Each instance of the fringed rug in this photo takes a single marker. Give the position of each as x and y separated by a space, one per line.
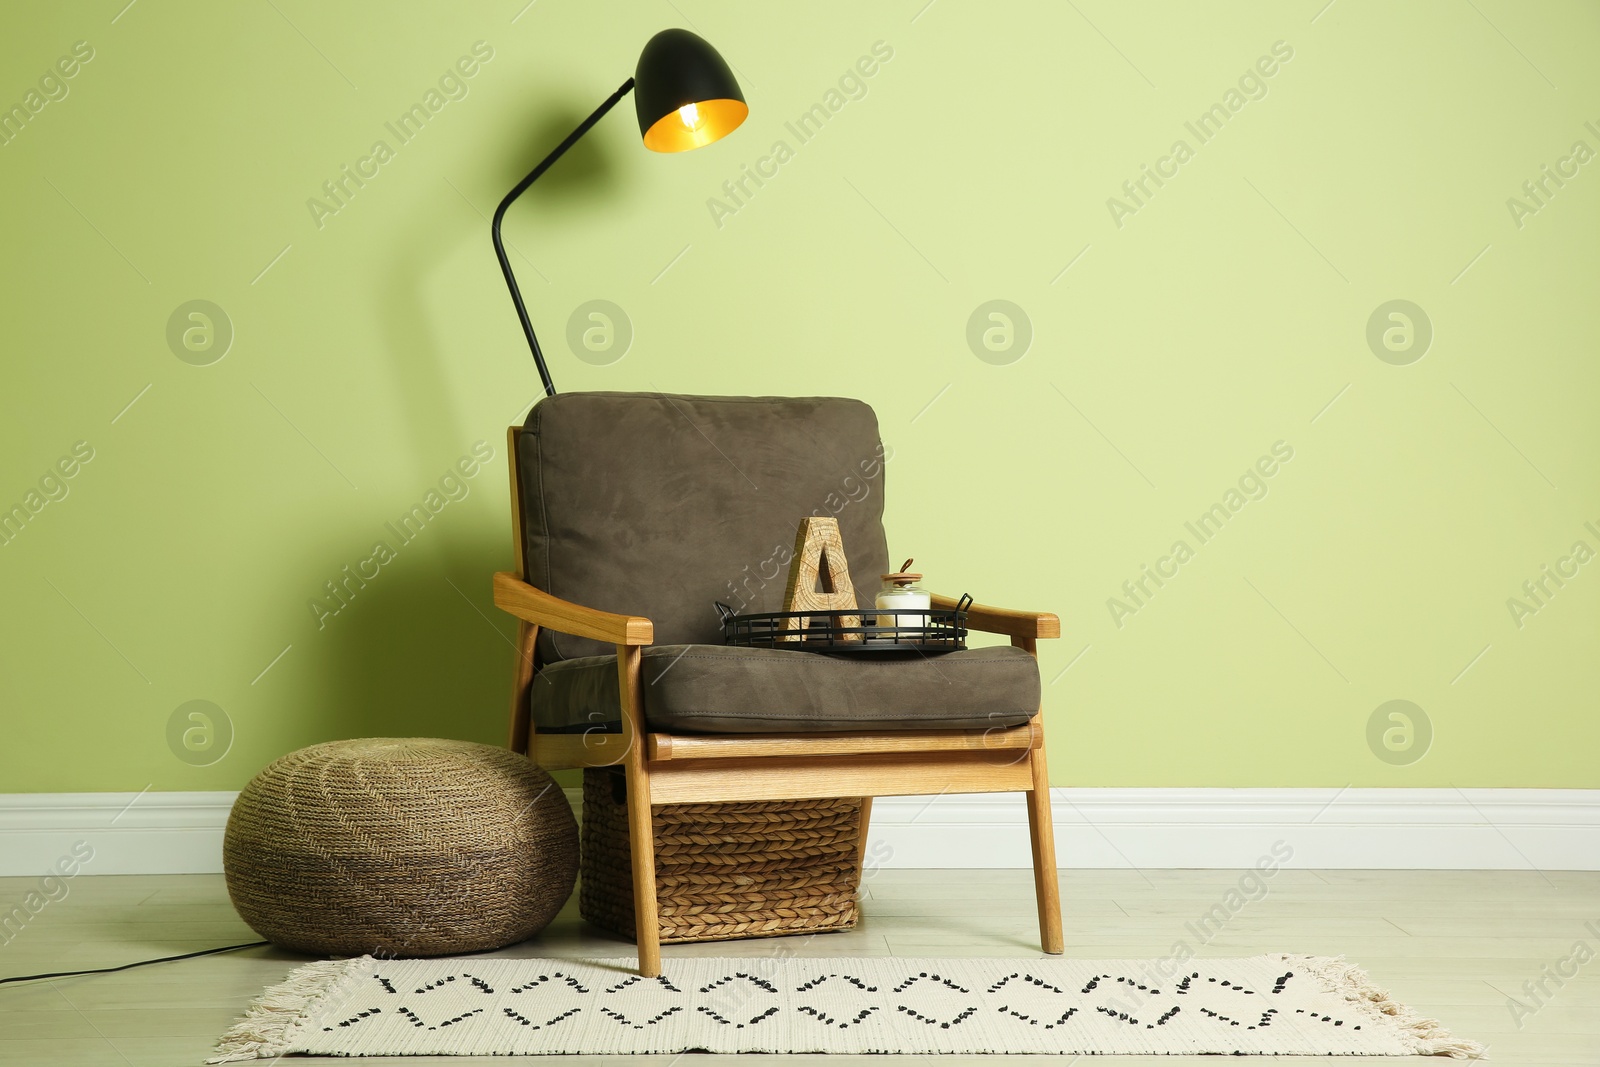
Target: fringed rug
1264 1005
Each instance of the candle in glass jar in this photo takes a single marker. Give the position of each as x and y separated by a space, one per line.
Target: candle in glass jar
900 590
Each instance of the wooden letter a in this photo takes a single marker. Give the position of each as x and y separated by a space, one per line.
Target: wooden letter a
819 549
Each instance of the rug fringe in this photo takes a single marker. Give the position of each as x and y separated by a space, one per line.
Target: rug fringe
1423 1036
263 1030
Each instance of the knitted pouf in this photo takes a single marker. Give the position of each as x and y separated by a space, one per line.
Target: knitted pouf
400 847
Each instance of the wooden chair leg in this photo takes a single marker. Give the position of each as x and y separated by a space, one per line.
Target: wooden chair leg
522 681
1041 830
641 836
861 843
641 828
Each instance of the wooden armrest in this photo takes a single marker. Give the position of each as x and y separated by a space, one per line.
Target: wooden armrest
1035 624
517 597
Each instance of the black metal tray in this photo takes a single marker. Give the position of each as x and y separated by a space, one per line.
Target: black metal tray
937 630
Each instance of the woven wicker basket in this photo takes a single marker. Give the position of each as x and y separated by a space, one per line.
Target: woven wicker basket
723 871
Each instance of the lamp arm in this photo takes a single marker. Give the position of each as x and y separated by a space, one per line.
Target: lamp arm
518 190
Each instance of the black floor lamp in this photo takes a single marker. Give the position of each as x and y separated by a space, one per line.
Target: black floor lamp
686 97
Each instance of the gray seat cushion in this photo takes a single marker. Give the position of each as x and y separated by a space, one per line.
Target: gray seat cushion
723 689
658 505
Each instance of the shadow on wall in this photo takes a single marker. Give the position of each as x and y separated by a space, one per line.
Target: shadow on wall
585 173
421 651
421 352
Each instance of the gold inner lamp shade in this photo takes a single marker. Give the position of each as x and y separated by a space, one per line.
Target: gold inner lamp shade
695 125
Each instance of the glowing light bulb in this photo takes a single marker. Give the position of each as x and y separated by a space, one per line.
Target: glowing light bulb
690 116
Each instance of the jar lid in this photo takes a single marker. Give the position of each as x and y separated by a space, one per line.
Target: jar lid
903 576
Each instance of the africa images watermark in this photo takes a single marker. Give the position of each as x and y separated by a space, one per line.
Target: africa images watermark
1538 191
199 732
852 85
1252 485
999 332
1252 85
199 332
454 485
743 590
1399 732
725 1003
341 189
54 485
1538 591
53 88
50 889
1538 991
599 332
1399 332
1251 887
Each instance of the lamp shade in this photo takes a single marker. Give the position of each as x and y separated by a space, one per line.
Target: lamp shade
685 94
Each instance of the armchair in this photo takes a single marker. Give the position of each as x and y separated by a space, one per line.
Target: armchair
631 514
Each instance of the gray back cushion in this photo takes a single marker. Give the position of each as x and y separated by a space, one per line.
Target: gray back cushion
658 505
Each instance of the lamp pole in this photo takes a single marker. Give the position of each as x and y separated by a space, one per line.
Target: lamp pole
518 190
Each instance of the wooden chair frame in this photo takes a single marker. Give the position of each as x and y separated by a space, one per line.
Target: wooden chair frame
664 768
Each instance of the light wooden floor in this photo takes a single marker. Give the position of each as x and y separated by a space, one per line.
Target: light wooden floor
1452 944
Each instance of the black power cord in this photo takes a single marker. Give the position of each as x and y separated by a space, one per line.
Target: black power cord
126 966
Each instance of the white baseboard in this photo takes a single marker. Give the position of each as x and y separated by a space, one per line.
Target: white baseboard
1430 829
131 833
1355 829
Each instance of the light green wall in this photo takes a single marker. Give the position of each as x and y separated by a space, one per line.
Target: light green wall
1222 316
